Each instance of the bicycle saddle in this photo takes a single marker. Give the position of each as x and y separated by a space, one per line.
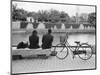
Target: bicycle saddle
77 42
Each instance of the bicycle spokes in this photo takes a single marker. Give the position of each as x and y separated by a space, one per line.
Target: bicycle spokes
62 52
85 51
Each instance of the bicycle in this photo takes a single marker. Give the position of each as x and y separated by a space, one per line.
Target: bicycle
83 50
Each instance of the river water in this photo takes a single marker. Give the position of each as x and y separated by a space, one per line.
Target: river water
89 38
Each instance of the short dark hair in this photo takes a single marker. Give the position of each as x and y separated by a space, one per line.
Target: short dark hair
34 32
49 31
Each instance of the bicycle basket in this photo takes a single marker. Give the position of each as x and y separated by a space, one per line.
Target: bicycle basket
62 39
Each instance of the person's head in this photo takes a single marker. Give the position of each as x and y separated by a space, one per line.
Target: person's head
49 31
34 32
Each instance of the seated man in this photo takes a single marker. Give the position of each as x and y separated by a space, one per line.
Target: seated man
34 40
47 40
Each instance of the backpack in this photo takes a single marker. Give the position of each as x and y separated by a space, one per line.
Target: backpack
22 45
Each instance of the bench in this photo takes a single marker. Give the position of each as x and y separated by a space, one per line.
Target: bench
19 53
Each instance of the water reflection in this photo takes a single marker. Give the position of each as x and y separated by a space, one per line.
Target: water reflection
83 38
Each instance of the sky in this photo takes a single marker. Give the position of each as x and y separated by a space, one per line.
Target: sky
70 9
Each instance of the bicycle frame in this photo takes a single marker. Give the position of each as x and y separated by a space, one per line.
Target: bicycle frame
66 44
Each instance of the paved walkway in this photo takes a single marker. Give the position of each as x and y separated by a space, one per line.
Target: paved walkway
51 64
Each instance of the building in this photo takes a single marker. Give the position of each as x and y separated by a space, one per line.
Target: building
30 19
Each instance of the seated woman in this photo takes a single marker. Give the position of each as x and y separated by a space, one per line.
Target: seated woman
34 40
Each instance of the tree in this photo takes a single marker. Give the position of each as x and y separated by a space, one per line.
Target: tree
14 8
18 14
92 18
83 18
42 15
73 19
54 16
64 17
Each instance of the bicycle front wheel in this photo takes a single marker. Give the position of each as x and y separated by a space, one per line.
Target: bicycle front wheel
85 51
61 50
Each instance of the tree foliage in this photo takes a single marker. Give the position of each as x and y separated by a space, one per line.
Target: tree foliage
51 15
92 18
18 14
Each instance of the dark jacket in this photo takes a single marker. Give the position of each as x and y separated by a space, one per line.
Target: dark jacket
34 41
47 41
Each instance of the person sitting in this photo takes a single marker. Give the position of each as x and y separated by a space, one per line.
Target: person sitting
34 40
47 40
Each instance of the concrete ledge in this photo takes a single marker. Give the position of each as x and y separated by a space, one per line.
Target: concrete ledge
31 52
15 57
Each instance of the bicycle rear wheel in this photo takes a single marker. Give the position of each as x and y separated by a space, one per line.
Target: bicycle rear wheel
61 50
85 51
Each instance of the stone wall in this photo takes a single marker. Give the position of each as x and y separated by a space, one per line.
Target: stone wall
29 25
